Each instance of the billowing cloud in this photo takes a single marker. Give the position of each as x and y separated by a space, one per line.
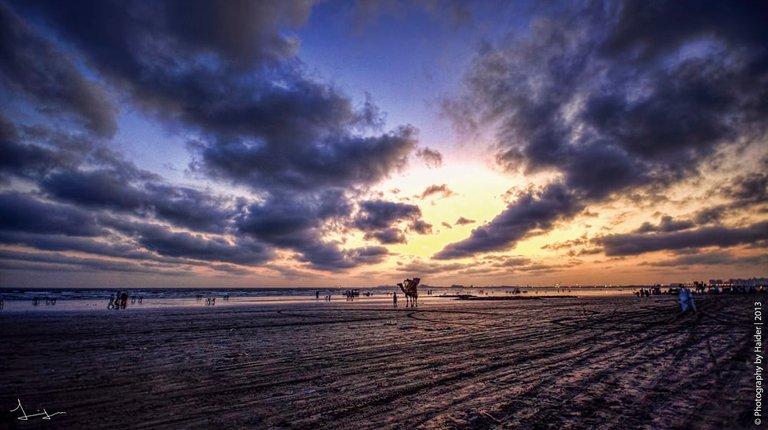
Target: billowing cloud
329 257
228 76
25 160
713 258
388 236
639 243
118 191
609 103
667 224
36 68
748 190
94 264
166 242
531 213
262 121
20 212
380 220
333 161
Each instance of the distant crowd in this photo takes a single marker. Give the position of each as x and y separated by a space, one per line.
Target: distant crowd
699 288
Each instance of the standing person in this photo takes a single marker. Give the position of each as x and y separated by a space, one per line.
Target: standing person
394 299
686 299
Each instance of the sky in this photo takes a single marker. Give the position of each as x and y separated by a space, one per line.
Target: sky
334 143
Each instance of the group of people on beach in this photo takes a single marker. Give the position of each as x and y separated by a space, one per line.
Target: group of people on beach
684 296
210 301
48 301
118 302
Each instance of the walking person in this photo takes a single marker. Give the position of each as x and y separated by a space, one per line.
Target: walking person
686 299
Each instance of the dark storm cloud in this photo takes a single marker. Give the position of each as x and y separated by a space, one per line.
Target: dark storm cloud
611 103
380 214
89 245
710 215
84 172
532 212
748 190
714 258
150 244
265 125
92 179
195 246
100 188
379 218
36 68
226 75
677 22
28 161
121 191
128 36
83 263
191 208
179 244
289 221
388 236
20 158
116 185
340 160
329 257
20 212
666 225
298 223
742 192
638 243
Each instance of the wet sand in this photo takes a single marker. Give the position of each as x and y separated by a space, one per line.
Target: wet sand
602 362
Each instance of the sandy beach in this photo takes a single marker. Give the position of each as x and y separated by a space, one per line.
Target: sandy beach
594 362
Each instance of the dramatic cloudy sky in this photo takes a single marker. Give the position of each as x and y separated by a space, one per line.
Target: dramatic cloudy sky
241 143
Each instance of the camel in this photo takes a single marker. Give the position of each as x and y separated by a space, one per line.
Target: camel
409 287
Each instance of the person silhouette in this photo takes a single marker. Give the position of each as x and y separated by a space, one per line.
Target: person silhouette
686 299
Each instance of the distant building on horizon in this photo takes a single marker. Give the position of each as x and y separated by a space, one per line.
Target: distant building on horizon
750 282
